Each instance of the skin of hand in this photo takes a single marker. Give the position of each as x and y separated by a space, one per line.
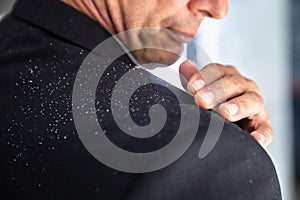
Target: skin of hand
235 97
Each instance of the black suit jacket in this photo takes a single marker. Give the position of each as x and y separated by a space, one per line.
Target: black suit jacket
42 45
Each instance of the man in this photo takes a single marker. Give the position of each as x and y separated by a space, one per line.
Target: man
184 18
43 43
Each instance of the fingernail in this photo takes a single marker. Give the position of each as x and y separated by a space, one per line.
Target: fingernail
207 97
232 108
197 85
259 137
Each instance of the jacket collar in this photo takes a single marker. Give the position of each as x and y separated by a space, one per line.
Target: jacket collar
61 20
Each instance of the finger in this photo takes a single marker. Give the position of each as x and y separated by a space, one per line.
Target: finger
263 134
228 87
186 70
206 76
205 98
209 74
213 72
244 106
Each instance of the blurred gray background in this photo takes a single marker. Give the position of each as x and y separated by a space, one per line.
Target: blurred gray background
5 5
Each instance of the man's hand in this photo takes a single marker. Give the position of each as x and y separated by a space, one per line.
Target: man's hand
235 97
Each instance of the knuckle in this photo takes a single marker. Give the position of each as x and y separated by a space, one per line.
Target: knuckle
220 69
257 98
232 69
252 85
244 107
195 76
237 81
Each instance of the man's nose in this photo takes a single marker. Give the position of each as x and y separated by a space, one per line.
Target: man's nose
217 9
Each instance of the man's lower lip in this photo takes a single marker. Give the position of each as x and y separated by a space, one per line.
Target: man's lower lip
181 37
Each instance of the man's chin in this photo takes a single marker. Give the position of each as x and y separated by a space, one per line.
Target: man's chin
160 58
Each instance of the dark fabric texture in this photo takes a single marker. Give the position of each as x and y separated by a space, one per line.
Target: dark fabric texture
42 45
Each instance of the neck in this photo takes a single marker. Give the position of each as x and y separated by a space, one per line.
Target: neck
106 12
